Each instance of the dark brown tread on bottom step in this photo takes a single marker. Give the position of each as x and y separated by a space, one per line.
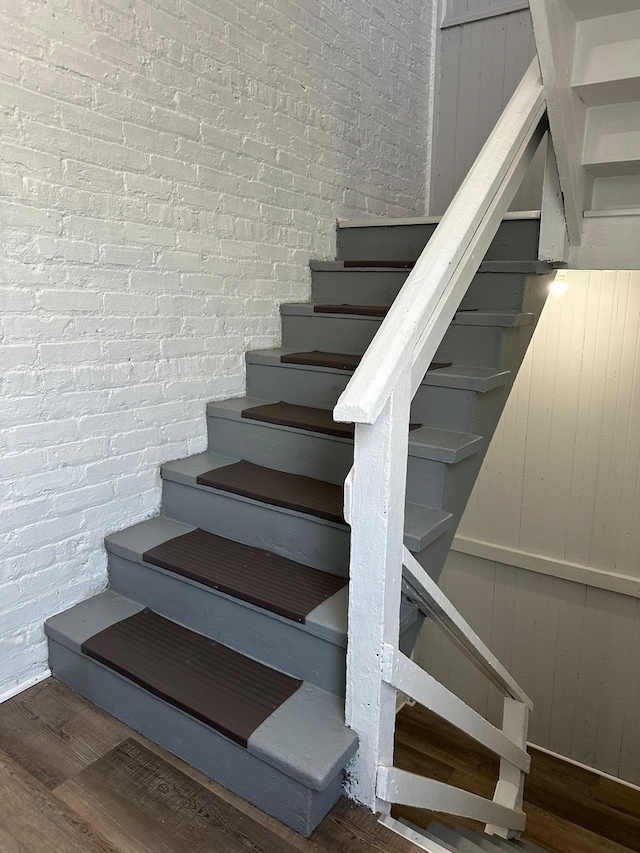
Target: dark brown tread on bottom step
338 360
302 417
293 491
218 686
390 264
251 574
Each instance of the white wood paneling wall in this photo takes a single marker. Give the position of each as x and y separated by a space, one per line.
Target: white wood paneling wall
481 64
573 648
562 476
562 481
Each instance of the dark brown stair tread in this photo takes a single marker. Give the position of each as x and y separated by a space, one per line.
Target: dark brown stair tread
220 687
390 264
302 417
251 574
292 491
362 310
337 360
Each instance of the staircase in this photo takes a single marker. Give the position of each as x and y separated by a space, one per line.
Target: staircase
222 633
590 60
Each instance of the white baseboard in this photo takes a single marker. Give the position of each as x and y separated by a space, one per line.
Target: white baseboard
25 685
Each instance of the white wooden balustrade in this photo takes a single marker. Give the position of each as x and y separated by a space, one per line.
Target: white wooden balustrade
377 400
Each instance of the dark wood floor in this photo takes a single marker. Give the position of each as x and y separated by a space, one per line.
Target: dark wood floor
74 779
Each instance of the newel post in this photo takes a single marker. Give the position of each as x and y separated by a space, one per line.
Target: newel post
374 507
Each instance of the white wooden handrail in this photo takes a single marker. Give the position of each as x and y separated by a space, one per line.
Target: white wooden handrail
378 400
417 303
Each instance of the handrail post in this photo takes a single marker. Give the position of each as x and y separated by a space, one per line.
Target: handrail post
510 788
374 506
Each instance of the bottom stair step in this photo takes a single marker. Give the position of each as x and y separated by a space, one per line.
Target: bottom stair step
276 741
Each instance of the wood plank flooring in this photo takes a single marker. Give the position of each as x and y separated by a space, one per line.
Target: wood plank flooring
74 779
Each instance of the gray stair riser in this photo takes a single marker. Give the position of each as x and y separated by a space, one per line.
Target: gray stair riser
303 538
357 287
314 455
462 344
433 405
279 643
516 239
487 291
219 758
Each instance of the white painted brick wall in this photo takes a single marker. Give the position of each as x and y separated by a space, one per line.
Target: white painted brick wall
167 170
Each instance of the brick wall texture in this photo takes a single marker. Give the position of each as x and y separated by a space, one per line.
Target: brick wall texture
167 170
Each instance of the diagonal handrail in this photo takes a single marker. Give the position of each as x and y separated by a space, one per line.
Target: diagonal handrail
377 400
435 270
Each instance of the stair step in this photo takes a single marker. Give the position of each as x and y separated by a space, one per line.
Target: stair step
442 374
449 398
302 417
292 491
379 264
295 536
312 649
473 337
403 240
338 360
466 317
457 840
606 65
465 840
362 310
424 442
276 741
496 287
214 684
251 574
612 140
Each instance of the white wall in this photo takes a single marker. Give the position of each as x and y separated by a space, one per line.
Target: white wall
481 60
548 567
167 170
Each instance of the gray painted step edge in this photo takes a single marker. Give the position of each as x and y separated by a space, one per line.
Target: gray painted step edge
426 442
505 319
422 524
305 738
464 377
523 266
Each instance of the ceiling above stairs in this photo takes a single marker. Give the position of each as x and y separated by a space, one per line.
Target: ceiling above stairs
589 53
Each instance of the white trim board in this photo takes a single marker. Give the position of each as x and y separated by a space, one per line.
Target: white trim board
587 575
25 685
582 766
471 17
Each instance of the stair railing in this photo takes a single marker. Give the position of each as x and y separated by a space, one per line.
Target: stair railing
377 400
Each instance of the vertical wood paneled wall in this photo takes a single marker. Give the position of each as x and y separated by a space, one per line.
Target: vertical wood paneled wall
480 65
562 476
562 480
